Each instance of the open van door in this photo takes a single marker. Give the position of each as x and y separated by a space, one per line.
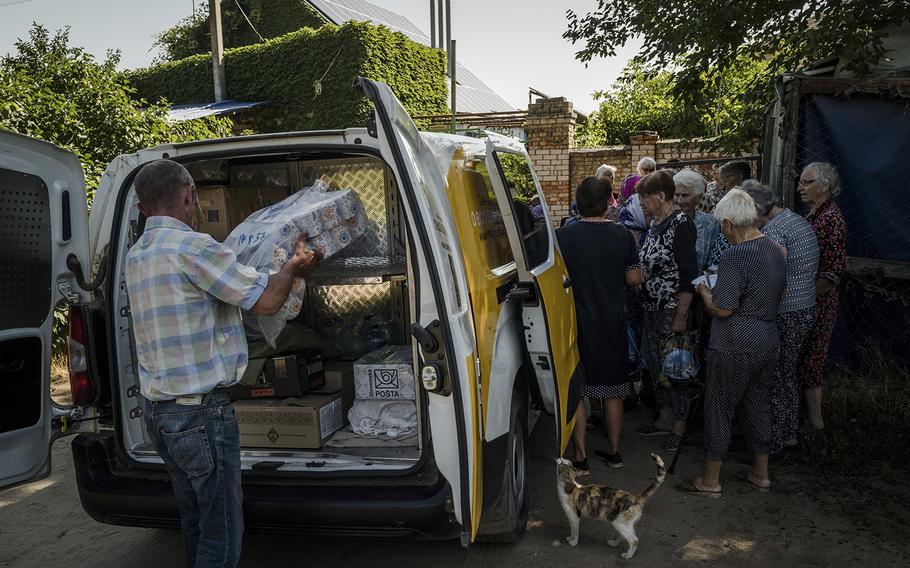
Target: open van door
455 417
543 288
43 219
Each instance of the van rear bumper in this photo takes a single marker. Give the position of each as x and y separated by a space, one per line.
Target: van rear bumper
118 495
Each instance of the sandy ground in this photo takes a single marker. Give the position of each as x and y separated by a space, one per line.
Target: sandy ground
800 523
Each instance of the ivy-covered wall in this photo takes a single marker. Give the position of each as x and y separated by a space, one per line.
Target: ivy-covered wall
308 74
270 18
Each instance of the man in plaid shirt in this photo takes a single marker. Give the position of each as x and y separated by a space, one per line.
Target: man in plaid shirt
185 291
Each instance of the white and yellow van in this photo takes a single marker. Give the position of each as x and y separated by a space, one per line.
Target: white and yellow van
474 283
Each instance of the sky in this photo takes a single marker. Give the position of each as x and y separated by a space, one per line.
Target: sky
510 44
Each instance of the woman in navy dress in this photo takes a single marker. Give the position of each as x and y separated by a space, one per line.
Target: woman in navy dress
602 260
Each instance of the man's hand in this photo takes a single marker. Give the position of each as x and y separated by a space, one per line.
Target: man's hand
679 325
304 261
301 265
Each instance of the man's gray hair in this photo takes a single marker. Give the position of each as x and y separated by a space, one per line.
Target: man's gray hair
738 208
647 165
826 174
158 184
605 169
690 179
760 194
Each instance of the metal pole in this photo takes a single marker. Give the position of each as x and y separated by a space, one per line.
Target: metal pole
449 34
452 65
442 25
217 50
432 24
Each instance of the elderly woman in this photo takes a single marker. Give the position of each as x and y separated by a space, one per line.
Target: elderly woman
646 165
608 174
668 259
818 184
690 186
742 355
602 260
796 314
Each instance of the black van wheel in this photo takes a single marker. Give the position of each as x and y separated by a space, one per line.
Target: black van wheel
515 483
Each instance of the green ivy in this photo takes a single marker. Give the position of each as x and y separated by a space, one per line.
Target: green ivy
308 75
271 18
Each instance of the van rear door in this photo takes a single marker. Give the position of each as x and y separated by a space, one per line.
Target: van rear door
43 220
544 288
455 418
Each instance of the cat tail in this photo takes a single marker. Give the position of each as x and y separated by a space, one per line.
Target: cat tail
655 485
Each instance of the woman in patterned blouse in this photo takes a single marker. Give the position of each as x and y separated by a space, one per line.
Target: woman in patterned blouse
818 184
669 263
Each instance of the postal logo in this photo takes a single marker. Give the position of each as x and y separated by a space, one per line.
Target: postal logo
386 383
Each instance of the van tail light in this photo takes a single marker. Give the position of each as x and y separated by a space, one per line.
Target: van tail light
81 387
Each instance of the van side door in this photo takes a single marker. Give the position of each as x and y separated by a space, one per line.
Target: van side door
43 220
543 289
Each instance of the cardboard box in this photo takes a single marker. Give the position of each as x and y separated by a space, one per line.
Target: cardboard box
260 381
385 374
305 368
339 379
293 423
281 376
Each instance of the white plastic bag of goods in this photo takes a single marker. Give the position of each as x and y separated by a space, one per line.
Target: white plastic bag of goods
385 374
332 220
392 418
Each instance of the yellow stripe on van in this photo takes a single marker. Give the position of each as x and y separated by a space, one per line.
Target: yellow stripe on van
485 246
559 303
477 444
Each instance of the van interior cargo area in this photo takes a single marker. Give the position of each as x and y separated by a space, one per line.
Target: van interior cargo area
345 357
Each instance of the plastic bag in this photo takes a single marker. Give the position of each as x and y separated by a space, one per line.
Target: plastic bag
679 364
332 220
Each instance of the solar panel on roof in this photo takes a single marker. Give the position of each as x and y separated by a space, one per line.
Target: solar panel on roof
473 94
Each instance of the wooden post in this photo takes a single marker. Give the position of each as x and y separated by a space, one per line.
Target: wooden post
440 18
217 50
454 84
448 28
433 24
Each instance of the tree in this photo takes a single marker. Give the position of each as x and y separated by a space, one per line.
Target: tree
242 23
638 101
703 42
647 100
58 93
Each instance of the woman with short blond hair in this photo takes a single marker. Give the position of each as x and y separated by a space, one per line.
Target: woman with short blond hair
742 353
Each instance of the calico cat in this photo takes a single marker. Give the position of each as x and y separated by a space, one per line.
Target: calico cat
621 508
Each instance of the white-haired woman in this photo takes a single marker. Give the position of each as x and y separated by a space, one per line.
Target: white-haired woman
608 174
690 186
818 184
796 314
646 165
742 354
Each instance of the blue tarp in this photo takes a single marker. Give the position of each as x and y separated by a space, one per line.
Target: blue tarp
868 139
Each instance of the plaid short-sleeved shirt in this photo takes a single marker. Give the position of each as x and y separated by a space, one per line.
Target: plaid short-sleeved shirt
184 289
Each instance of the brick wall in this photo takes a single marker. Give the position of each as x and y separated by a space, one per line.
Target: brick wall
550 125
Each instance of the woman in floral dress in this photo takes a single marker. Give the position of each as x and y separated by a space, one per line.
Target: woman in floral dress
818 185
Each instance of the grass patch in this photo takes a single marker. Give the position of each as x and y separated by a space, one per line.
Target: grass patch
867 417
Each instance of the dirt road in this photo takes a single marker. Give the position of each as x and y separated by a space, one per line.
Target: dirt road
798 524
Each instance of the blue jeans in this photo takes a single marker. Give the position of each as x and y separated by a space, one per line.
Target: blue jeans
200 445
